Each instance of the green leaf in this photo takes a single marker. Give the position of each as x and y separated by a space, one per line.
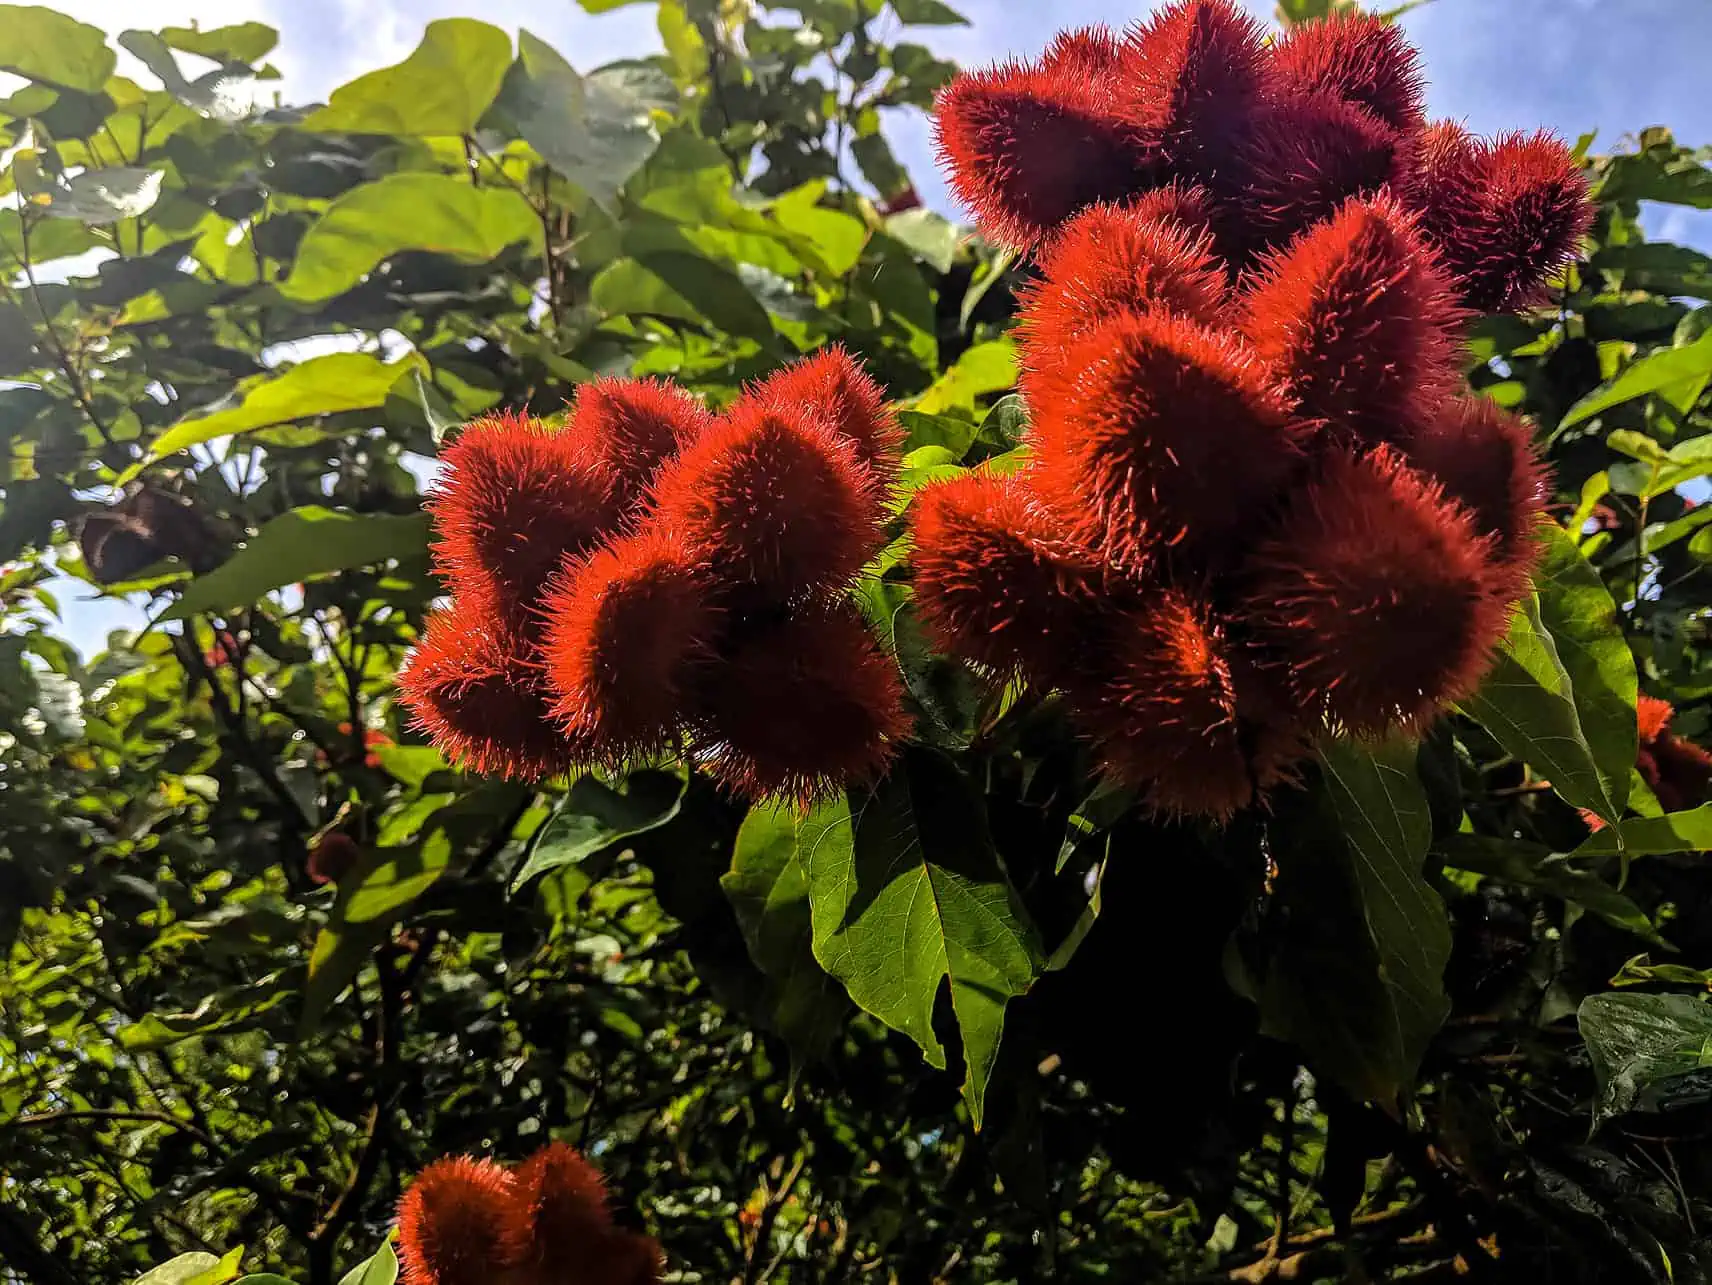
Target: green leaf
1679 375
1642 1046
104 195
388 879
685 286
1386 827
606 6
1562 693
835 238
985 368
326 385
954 433
42 45
381 1269
298 545
340 951
443 88
1532 866
768 888
433 212
928 13
594 816
241 42
1653 836
908 894
595 130
219 94
186 1268
931 237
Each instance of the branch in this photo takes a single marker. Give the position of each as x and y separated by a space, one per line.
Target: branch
47 1118
73 379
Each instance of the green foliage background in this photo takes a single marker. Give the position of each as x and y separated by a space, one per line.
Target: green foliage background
1361 1038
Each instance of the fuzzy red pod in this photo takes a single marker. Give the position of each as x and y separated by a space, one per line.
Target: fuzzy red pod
1160 707
634 426
625 1258
1306 156
1358 323
513 499
1190 77
1162 433
455 1225
474 686
1374 595
1485 459
1682 773
1110 260
997 581
1652 718
332 857
1361 58
1024 146
1094 52
1505 214
803 706
832 384
625 632
559 1217
1186 204
773 499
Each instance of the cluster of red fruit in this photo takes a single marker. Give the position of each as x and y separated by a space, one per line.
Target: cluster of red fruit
654 579
473 1222
1259 502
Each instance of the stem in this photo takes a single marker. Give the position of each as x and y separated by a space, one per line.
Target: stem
73 379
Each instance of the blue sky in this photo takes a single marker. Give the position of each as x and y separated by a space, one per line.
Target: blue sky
1615 66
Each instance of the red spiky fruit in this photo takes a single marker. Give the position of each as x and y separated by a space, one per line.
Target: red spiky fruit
626 629
1160 707
634 426
1359 57
997 581
1024 146
1092 52
624 1259
474 686
803 706
833 385
1358 324
1106 261
559 1217
513 499
1190 77
332 857
1682 773
1307 155
1485 460
455 1225
1505 214
1652 718
1185 204
1162 433
1374 596
773 499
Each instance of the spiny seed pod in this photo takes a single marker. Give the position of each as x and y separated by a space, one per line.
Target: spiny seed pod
1164 433
1024 146
777 500
1505 214
1106 261
996 579
1375 596
803 706
625 631
473 686
1308 154
1682 773
831 384
332 857
514 498
634 426
454 1224
559 1216
1361 58
1185 204
1191 74
1484 457
1652 718
1161 709
1357 322
1093 52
